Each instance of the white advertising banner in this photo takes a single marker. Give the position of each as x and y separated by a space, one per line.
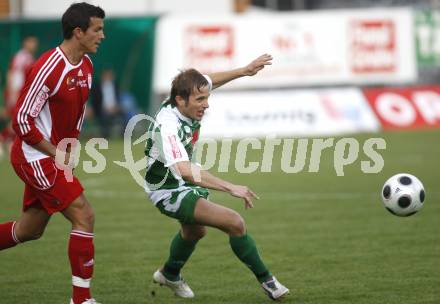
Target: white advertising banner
288 113
319 48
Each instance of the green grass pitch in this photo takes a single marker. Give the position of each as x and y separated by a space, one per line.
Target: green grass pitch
328 238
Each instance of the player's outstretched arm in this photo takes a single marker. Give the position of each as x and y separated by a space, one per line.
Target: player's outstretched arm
220 78
195 175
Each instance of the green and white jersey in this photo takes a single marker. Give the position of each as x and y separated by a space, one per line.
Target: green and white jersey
171 139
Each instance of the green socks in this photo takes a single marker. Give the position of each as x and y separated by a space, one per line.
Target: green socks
245 249
243 246
180 251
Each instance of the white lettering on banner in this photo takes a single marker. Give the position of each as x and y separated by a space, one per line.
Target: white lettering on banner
396 109
428 104
373 45
288 112
410 107
372 60
289 116
372 34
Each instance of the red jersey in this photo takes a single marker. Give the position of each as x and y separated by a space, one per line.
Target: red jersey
20 65
51 105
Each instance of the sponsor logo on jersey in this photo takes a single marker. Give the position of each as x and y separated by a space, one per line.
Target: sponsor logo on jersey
82 83
39 101
70 81
174 147
80 73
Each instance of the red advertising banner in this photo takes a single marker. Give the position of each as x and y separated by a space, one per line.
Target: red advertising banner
406 108
373 44
209 46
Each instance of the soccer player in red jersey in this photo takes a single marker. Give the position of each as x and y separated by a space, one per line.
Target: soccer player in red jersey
19 66
51 108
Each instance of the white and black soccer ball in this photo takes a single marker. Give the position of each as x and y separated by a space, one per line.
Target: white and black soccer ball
403 194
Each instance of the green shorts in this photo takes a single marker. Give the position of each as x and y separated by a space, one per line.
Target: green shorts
179 203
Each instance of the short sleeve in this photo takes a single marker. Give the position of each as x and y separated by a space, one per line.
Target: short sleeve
172 148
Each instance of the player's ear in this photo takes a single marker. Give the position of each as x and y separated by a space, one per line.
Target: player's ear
180 101
77 32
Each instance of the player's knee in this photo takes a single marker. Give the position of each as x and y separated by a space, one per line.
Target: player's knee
237 226
200 233
195 234
25 236
36 236
85 221
89 217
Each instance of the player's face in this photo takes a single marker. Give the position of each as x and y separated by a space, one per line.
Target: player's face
196 105
93 36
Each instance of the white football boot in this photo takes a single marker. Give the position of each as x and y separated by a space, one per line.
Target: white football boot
274 289
180 287
88 301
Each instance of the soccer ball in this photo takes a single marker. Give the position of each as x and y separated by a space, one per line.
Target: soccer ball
403 194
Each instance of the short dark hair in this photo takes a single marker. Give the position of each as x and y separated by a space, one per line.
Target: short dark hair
78 15
185 83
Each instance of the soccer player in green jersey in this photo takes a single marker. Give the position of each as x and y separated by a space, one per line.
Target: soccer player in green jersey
178 187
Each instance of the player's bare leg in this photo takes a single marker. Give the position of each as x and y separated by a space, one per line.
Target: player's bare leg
220 217
31 224
242 244
80 213
81 249
29 227
193 232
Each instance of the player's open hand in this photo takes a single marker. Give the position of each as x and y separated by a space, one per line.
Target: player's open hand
258 64
245 193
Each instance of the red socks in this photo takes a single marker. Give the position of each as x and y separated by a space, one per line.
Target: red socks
8 238
81 253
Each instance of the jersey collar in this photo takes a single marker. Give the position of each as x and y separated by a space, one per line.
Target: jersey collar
181 116
73 66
